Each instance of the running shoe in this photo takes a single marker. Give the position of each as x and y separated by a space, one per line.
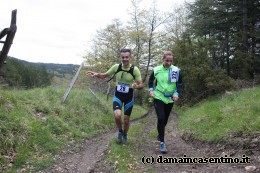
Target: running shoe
125 139
119 137
163 148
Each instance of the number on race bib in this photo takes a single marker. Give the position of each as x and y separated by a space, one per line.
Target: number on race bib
172 75
123 88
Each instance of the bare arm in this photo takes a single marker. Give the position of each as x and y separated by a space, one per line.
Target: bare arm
98 75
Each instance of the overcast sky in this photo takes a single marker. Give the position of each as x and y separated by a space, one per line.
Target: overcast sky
59 31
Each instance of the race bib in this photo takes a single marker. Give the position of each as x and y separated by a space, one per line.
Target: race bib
172 75
122 88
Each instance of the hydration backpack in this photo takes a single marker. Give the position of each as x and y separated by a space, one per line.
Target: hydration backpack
131 71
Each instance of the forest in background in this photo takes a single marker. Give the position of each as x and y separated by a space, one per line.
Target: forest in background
216 45
26 75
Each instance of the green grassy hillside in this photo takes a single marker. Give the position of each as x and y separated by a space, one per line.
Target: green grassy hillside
221 118
34 125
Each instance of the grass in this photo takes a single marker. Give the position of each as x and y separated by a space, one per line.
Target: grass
217 118
34 125
127 158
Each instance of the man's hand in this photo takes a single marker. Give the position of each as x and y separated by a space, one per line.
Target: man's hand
134 85
137 85
98 75
91 73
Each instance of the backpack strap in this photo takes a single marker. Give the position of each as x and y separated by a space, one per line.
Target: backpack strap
131 71
118 70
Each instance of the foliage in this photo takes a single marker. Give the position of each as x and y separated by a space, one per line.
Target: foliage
19 74
210 39
58 70
199 78
23 74
233 26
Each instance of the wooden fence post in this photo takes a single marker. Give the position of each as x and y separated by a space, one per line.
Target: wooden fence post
10 33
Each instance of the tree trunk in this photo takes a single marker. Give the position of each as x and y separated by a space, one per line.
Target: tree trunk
228 53
245 27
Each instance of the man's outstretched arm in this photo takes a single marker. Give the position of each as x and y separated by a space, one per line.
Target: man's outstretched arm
98 75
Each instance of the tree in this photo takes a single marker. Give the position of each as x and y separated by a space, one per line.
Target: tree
25 75
136 30
225 24
199 78
105 49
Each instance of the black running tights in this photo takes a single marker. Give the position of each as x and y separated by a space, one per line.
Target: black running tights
163 111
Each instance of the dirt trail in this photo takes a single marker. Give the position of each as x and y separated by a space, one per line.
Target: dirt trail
177 148
91 157
88 158
84 160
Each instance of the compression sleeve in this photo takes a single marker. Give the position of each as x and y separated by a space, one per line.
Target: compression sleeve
179 84
150 82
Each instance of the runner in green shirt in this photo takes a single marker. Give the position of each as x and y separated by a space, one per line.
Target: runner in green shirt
128 78
168 83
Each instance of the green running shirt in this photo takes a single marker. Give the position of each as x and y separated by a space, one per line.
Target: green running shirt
163 85
124 77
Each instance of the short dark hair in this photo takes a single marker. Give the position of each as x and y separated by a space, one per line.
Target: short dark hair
125 50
